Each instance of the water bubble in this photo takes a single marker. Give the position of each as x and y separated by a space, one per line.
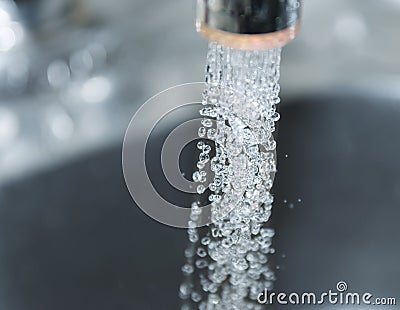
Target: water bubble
201 264
187 269
185 290
196 177
200 145
240 264
200 165
227 243
189 253
207 149
196 297
204 157
211 133
206 122
206 240
201 189
215 232
202 132
201 252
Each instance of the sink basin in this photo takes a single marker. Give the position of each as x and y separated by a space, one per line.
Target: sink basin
72 238
338 155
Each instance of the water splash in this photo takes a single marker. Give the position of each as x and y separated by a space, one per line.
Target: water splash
227 267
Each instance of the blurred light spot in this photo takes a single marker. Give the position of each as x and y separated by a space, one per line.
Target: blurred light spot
5 18
351 28
7 38
9 126
81 62
58 73
62 126
96 89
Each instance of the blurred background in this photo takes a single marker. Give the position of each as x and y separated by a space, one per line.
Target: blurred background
72 74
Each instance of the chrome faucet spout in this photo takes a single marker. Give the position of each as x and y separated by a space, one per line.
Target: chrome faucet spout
249 24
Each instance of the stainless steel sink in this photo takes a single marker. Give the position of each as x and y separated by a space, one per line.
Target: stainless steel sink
342 164
73 238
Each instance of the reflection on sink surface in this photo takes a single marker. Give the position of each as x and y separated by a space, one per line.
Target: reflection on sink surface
343 164
73 239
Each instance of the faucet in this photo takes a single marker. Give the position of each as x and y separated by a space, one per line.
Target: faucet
248 24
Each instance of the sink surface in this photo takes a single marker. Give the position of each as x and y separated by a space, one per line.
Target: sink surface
72 238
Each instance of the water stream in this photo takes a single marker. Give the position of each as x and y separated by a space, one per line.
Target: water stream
227 262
